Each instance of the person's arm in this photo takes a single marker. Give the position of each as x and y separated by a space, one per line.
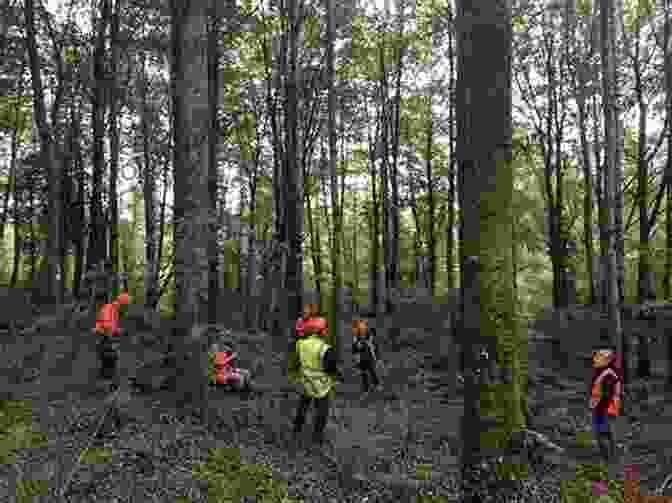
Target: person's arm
329 361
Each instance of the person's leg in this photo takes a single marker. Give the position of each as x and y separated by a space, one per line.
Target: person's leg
366 381
304 403
374 375
321 415
603 435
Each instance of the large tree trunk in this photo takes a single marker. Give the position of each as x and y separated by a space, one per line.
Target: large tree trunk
452 162
50 159
586 165
395 246
486 182
151 279
213 140
374 274
190 165
336 207
294 179
98 230
611 150
646 284
114 145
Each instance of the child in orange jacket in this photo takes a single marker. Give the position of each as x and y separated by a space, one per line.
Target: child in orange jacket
605 399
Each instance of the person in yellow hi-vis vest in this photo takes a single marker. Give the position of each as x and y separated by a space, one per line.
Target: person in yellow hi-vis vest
318 369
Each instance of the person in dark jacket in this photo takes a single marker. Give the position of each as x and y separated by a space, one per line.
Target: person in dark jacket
365 351
605 399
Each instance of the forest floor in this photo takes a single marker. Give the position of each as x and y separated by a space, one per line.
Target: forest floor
394 444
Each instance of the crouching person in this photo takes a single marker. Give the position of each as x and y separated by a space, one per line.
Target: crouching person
318 369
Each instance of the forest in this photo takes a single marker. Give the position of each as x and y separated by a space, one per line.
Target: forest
488 183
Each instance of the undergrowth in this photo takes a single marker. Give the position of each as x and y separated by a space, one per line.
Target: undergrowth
581 489
229 480
16 433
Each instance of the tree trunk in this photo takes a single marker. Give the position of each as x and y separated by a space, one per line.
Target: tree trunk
50 159
191 126
11 179
611 151
336 207
315 246
374 293
114 144
213 140
148 190
431 232
395 250
586 165
98 230
618 173
486 182
294 179
667 275
452 162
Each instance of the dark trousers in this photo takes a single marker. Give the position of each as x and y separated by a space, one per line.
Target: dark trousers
321 415
369 375
108 356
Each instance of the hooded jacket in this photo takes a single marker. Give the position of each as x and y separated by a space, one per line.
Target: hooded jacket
607 389
107 322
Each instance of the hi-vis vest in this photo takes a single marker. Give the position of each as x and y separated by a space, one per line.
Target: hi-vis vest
108 320
614 407
316 382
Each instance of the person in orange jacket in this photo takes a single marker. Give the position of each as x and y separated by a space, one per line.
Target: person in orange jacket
605 399
108 330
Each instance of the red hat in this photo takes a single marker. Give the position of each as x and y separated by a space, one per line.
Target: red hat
123 299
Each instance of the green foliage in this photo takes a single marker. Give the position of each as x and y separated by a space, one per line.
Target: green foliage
229 480
16 113
72 56
584 7
580 490
16 430
98 456
28 490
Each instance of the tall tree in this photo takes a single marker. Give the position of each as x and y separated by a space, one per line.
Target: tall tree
98 230
114 103
493 410
336 275
50 159
292 171
213 140
608 62
190 164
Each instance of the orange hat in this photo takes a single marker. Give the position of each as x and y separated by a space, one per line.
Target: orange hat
123 299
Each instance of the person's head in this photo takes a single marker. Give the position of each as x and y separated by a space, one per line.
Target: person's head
602 358
360 327
310 310
123 299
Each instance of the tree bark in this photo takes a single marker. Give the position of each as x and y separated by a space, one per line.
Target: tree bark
192 202
486 188
98 229
50 158
293 177
213 140
114 144
336 207
611 150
